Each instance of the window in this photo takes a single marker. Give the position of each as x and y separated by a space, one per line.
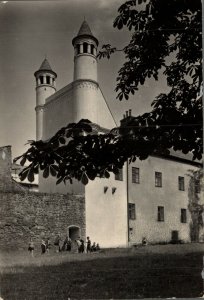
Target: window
131 211
48 79
85 47
160 214
197 186
181 183
41 79
158 179
119 175
183 215
92 49
135 175
78 48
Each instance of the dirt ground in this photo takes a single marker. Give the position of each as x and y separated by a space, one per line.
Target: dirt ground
158 271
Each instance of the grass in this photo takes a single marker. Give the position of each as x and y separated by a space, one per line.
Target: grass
151 271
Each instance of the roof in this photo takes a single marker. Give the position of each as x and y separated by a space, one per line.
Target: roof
45 66
85 31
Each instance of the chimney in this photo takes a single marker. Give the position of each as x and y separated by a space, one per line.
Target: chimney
130 112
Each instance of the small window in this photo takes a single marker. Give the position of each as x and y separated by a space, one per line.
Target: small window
85 47
197 186
92 49
119 175
131 211
48 79
78 49
158 179
41 79
181 185
160 214
135 175
183 215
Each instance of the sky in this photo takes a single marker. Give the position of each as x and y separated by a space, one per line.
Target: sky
33 30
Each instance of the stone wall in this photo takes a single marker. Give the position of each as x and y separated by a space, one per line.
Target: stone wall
5 168
37 215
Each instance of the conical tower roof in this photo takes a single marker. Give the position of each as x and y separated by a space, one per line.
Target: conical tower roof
85 31
45 66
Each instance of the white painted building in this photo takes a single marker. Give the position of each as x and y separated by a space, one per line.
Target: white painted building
151 198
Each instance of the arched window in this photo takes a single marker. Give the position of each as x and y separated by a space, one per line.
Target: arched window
48 79
92 49
85 47
41 79
78 49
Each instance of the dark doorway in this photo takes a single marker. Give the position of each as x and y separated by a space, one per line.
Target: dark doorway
174 236
73 232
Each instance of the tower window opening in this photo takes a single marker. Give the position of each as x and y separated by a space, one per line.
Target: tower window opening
85 46
78 49
92 49
48 79
41 79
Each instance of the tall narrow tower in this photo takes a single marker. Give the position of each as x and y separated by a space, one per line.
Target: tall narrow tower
85 48
85 84
45 87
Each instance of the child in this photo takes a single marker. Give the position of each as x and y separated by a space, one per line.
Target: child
31 247
98 247
43 247
88 248
47 243
81 248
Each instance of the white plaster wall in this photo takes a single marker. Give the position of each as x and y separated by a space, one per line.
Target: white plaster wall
89 103
58 112
39 122
48 185
104 116
106 213
147 198
43 92
85 67
85 98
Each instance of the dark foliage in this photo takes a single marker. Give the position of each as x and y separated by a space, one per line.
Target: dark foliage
166 38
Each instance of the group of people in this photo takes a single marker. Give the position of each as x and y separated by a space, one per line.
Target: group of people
89 248
65 245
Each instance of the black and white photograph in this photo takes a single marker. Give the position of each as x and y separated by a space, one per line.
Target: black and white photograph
101 149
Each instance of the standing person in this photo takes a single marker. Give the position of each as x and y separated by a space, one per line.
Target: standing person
31 247
69 244
47 243
78 241
81 247
88 247
57 243
43 247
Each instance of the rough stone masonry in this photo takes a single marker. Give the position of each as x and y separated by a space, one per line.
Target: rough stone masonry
29 214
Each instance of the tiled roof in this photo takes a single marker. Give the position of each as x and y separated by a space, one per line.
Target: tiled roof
45 65
84 29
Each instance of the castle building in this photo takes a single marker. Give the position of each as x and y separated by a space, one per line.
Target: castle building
147 199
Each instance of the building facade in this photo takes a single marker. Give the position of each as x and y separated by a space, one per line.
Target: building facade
150 199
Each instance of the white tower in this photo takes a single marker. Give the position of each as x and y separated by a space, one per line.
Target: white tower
85 48
45 87
85 84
